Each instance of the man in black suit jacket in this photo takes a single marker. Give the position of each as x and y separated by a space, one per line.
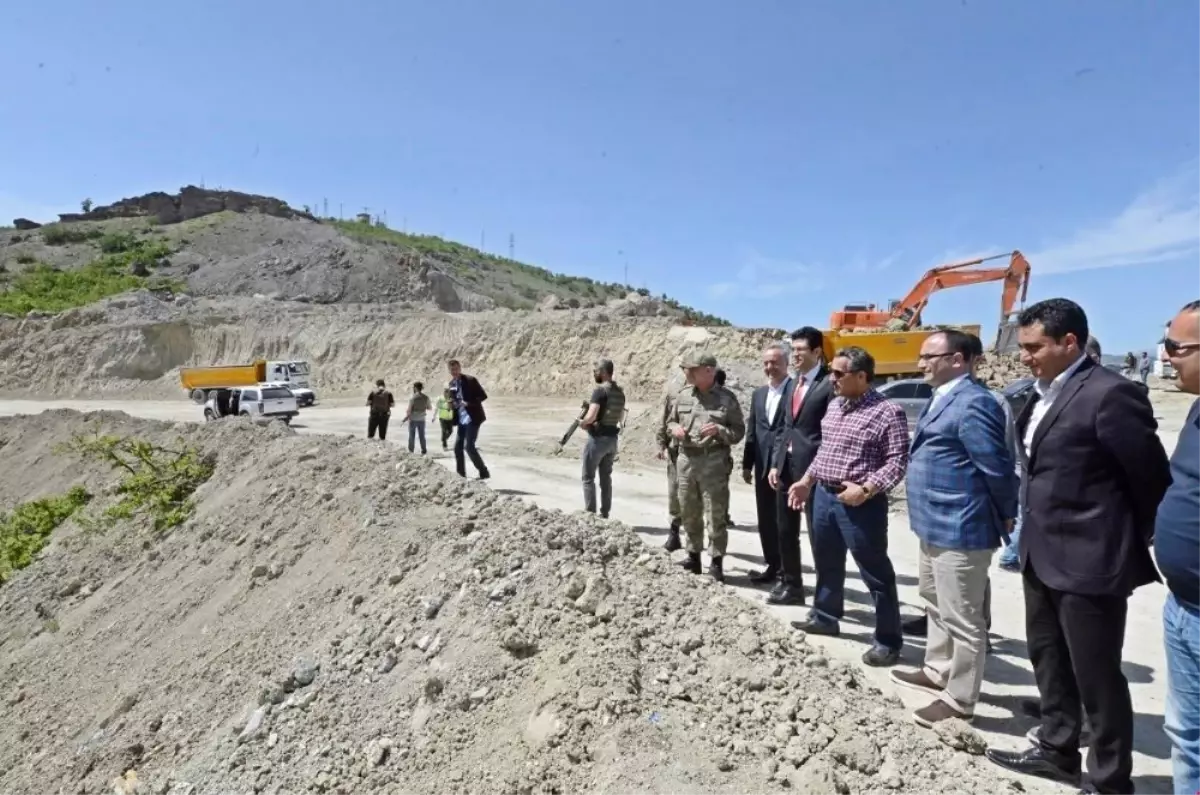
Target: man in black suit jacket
804 404
1096 472
762 424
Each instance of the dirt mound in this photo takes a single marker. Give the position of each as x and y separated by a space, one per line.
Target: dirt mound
133 345
338 617
998 370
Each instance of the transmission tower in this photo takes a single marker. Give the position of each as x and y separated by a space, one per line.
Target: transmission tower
512 246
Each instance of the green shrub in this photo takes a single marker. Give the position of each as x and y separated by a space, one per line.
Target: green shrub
26 531
157 483
46 289
116 242
59 235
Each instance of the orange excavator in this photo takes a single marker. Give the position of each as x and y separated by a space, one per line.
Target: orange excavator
905 314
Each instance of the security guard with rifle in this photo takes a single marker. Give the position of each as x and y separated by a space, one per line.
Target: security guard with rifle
602 420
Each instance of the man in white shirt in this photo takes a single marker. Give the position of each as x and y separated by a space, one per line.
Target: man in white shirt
762 425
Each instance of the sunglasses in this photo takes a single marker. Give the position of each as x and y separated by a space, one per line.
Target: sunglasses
1174 348
836 374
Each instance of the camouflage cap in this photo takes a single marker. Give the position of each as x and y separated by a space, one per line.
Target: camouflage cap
691 360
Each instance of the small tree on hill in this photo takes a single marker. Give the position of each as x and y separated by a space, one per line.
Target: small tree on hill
86 205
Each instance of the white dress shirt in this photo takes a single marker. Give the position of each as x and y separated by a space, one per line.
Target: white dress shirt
1047 393
774 395
943 390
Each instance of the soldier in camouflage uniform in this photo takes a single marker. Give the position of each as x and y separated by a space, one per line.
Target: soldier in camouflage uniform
668 448
705 420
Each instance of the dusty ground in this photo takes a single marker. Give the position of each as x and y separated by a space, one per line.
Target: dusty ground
516 424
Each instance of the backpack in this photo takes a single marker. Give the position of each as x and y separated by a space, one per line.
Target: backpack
419 403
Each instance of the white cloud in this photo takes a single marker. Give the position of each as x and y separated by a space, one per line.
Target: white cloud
1161 224
760 276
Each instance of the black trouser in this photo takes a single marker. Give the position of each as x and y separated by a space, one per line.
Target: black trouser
447 429
768 520
377 422
788 530
1075 644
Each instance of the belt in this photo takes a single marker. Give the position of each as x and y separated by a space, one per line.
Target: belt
694 451
832 488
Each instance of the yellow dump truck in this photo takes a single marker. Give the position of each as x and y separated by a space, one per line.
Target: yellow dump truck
198 382
895 352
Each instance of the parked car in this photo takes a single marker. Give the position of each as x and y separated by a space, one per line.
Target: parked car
911 393
271 401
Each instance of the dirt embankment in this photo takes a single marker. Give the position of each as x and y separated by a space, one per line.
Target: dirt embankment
387 626
133 345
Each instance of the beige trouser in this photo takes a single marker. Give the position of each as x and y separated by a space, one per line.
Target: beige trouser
953 583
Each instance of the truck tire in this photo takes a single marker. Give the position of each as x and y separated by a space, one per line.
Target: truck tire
199 396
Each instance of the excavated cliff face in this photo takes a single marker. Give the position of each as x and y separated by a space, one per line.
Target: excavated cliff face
132 346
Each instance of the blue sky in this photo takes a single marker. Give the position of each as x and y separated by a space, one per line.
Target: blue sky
766 161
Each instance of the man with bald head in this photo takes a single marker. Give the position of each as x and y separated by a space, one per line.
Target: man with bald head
762 428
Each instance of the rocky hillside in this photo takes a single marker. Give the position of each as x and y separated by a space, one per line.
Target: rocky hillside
375 624
133 345
223 243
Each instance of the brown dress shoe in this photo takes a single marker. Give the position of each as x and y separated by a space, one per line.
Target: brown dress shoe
917 680
937 712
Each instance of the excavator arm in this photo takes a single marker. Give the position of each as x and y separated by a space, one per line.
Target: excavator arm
906 313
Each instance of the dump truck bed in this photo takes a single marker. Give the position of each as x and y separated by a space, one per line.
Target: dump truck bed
223 376
895 352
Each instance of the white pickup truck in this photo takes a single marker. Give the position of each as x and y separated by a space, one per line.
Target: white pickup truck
268 401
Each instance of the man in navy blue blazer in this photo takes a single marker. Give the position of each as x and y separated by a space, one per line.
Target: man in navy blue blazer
962 500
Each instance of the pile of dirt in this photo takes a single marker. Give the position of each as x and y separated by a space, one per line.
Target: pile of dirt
134 345
338 618
998 370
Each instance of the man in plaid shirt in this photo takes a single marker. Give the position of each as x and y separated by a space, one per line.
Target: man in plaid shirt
863 455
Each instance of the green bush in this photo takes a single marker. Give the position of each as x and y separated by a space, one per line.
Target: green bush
26 531
59 235
46 289
157 483
116 242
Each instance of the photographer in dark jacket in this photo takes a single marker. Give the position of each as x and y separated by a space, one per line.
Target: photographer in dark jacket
380 404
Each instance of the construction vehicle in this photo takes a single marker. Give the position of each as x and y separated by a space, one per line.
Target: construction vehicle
905 314
895 352
199 382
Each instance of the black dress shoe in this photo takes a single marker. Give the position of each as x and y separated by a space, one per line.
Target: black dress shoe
815 626
1035 761
916 627
881 657
786 594
767 575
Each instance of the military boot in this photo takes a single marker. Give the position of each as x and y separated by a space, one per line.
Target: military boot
716 569
691 563
673 542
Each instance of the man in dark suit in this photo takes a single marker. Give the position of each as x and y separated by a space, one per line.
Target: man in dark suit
762 426
469 396
1096 473
804 402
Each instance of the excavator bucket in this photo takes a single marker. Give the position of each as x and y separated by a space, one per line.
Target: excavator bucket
1006 339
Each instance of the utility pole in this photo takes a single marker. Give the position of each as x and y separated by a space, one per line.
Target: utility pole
341 216
325 208
481 241
512 246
